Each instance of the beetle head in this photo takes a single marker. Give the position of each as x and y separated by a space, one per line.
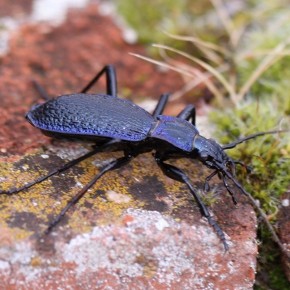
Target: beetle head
212 154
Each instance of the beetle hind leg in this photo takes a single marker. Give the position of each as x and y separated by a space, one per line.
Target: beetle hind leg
111 79
41 91
117 163
59 169
188 113
161 105
51 173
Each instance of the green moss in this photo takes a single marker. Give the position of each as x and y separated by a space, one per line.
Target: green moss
268 155
270 178
151 18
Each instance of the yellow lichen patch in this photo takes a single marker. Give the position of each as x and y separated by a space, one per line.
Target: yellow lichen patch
9 235
30 206
139 184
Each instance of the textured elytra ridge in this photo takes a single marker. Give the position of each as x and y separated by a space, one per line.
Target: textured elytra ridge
86 114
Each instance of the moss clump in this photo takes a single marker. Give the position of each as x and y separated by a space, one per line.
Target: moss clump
268 155
270 177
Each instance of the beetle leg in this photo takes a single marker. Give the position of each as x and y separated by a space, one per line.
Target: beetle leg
59 170
188 113
177 174
111 166
248 168
41 91
232 194
206 182
111 80
160 105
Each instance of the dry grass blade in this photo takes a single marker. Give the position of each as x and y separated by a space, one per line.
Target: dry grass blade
200 42
269 60
163 64
210 50
226 21
260 53
205 66
201 77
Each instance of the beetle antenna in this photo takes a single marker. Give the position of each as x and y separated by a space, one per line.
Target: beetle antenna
261 213
252 136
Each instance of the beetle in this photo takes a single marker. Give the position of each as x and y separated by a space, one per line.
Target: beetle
118 124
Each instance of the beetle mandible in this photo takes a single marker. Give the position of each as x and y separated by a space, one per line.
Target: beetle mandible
114 123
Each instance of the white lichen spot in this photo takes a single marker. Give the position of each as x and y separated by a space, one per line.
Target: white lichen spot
21 254
161 224
79 184
98 250
231 267
69 153
101 163
106 8
117 197
25 167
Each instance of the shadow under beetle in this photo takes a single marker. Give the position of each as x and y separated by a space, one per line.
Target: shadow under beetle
118 124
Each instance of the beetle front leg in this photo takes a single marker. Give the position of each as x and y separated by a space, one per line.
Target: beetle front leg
177 174
208 178
232 194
